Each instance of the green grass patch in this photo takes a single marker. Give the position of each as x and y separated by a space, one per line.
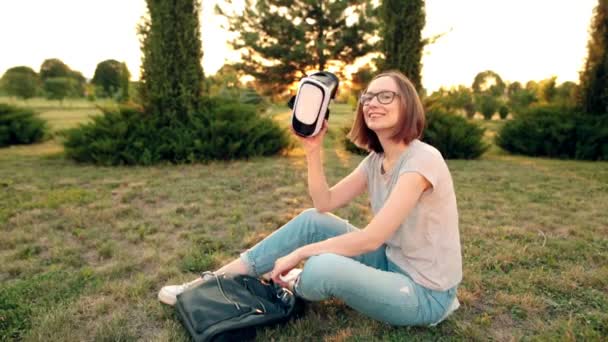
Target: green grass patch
84 250
23 299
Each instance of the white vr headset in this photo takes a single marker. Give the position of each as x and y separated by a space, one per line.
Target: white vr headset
310 106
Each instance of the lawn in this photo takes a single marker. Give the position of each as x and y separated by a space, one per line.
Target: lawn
84 249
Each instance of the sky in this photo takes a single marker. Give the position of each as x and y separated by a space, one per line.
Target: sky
521 40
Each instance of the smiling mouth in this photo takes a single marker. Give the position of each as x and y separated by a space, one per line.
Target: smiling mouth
374 115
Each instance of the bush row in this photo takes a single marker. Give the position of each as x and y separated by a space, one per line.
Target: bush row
221 131
557 132
20 126
454 136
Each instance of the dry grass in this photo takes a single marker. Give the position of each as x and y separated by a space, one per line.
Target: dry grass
84 249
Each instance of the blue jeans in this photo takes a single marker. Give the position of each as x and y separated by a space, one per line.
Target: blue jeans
369 283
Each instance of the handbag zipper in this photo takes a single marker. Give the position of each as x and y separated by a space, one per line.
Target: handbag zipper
256 298
219 284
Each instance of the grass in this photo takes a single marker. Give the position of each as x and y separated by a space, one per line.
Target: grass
84 249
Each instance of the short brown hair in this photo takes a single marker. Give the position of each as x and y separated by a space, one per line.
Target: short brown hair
411 127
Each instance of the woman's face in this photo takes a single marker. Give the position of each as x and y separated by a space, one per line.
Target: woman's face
381 112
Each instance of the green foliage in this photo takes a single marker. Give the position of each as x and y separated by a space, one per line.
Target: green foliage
487 105
113 79
520 99
594 77
58 88
503 111
565 94
55 69
454 136
349 145
360 79
20 126
488 82
226 84
284 40
556 132
171 74
592 137
220 131
401 24
460 98
21 81
548 89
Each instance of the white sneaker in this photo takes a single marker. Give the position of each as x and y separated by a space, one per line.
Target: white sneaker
291 277
168 294
453 307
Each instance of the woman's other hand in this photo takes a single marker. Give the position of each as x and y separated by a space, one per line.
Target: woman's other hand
283 265
314 143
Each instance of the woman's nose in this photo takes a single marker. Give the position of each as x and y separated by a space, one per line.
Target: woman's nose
374 102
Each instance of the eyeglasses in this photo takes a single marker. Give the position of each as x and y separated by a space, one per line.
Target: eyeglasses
384 97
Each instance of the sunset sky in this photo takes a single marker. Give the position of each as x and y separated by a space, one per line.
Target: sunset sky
519 39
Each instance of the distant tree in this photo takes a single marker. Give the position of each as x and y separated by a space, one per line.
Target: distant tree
55 68
593 96
113 78
461 98
487 105
503 111
521 99
513 88
225 82
565 94
361 79
171 74
547 89
58 88
124 83
283 40
21 81
401 24
488 82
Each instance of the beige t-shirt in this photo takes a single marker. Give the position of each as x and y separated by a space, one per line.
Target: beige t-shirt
427 244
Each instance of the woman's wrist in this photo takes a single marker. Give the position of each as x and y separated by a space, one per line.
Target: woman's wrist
301 253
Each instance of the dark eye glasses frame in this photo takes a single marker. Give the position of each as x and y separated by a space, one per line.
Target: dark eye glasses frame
367 97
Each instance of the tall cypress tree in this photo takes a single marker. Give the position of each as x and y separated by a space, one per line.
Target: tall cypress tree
282 40
401 25
171 72
593 96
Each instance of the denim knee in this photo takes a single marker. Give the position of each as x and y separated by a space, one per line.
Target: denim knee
315 281
310 214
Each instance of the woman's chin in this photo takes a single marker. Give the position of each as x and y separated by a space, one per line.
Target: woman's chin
377 127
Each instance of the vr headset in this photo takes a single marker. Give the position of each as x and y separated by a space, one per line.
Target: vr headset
310 105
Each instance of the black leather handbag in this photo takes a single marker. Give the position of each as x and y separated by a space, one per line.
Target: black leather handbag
229 307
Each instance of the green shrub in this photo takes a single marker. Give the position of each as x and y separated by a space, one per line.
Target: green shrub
558 132
20 126
221 131
592 137
348 145
503 111
454 136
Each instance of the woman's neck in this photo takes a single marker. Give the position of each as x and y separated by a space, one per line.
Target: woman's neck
392 149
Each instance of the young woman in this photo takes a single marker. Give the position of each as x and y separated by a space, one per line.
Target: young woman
403 268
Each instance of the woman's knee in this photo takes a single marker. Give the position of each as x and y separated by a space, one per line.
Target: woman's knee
310 214
319 274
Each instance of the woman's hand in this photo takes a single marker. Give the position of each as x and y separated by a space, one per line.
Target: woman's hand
283 265
314 143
